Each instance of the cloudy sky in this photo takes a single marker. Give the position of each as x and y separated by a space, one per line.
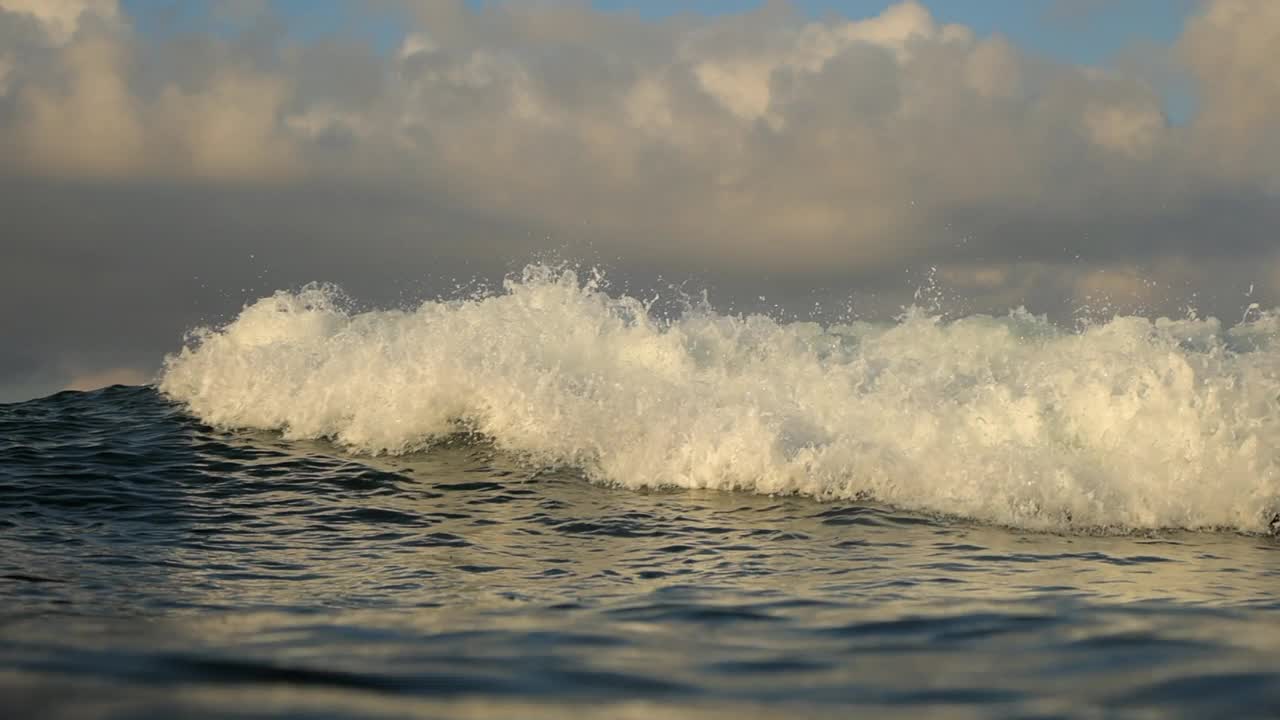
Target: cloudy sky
164 161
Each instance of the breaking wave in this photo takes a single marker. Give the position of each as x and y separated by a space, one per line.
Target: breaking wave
1126 425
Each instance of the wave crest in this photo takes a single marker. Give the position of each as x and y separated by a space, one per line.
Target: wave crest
1131 424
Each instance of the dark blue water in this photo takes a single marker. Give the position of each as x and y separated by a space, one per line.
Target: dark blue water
151 566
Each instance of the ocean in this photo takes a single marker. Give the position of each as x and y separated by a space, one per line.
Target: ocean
554 501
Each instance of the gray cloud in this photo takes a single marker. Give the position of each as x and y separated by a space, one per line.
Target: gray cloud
761 153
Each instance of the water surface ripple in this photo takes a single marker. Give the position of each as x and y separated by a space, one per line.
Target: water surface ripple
154 566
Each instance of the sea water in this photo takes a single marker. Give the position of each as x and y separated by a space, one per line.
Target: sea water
553 501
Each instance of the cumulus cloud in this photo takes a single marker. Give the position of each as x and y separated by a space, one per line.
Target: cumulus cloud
60 19
90 106
834 152
1231 49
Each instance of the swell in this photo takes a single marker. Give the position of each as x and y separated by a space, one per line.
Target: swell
1132 424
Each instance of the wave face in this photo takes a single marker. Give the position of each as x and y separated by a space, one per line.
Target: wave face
1128 425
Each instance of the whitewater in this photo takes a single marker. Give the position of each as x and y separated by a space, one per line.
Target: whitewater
1128 425
557 499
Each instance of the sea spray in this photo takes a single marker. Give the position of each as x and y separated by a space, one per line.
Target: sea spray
1125 425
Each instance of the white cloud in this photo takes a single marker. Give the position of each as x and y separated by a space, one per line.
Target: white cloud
90 127
756 141
61 18
230 128
1231 48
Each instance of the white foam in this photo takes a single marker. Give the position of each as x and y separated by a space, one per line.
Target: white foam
1130 424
